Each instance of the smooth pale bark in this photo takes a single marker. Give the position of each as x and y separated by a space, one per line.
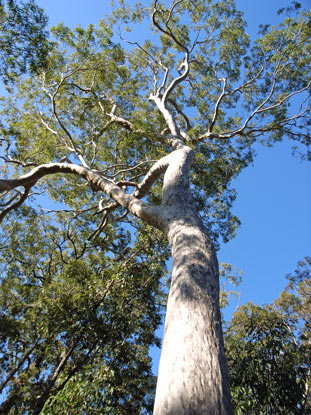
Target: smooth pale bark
192 376
147 212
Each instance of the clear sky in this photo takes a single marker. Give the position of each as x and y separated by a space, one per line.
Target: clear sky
274 197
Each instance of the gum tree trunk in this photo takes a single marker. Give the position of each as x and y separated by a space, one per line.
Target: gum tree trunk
192 376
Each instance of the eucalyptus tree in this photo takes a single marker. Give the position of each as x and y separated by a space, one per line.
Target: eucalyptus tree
144 136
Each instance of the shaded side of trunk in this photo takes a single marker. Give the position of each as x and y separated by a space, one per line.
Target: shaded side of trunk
193 377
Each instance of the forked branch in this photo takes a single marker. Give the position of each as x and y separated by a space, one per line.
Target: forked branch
167 31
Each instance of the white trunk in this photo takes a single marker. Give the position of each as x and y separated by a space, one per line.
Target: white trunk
192 376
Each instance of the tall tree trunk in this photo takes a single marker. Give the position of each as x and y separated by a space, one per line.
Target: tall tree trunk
193 377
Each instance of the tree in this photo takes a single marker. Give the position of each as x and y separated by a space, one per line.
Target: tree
295 303
24 42
268 351
103 116
266 363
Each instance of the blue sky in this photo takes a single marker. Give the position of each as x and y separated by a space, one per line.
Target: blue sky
273 196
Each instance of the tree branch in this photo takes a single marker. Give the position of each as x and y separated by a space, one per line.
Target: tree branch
221 96
150 213
154 173
16 204
18 162
167 32
20 364
180 112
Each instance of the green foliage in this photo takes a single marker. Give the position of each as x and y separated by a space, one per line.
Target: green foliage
268 351
295 303
88 73
24 41
266 368
229 278
76 327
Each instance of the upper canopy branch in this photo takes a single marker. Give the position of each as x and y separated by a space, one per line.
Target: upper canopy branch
161 100
72 147
221 96
267 104
168 32
185 67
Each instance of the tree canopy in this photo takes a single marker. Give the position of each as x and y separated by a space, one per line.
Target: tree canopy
84 145
24 44
266 365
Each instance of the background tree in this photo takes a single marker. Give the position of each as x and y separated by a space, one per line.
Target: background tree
266 363
106 119
24 44
268 351
295 303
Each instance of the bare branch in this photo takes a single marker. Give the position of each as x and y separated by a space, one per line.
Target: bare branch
139 47
130 168
247 83
285 98
47 126
161 100
100 228
258 110
154 173
122 121
185 66
216 110
180 112
167 32
265 100
162 86
151 214
20 163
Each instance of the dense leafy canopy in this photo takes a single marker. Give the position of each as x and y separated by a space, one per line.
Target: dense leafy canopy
82 279
88 323
267 374
268 350
24 44
295 303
